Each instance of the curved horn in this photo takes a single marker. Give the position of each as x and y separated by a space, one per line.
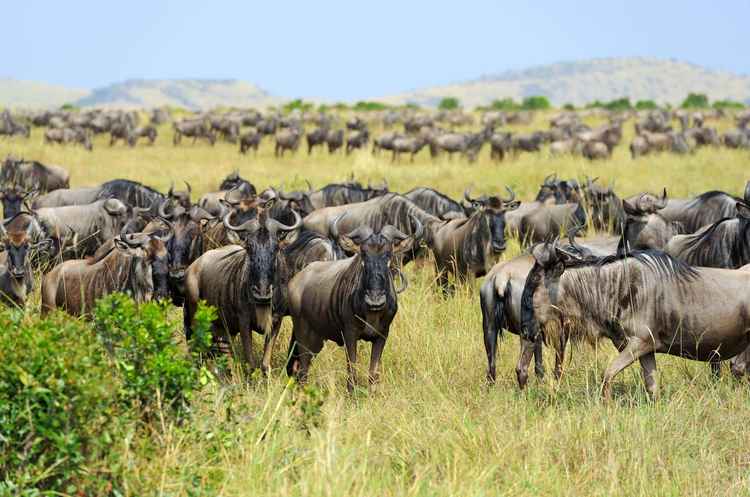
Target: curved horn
309 187
418 228
404 281
550 178
512 195
572 233
273 225
333 228
171 189
246 226
189 190
229 192
467 197
663 202
162 212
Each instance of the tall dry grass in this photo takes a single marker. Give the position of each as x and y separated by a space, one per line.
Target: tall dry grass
433 427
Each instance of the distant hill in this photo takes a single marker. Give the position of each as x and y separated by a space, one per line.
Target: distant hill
193 94
31 94
664 81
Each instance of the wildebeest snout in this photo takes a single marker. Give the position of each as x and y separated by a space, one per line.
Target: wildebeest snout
262 294
375 300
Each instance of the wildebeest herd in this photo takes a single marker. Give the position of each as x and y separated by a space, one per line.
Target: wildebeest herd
440 133
652 274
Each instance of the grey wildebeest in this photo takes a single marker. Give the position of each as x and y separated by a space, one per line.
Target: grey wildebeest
347 300
33 175
78 136
193 128
240 282
604 206
316 137
134 264
644 302
707 208
334 140
149 132
407 145
287 139
645 226
356 140
438 204
81 229
384 142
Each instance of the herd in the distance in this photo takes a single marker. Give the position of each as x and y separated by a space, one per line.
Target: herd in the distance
652 274
439 133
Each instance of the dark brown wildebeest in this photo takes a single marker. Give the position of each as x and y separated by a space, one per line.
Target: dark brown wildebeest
14 199
33 175
500 145
737 138
240 210
707 208
334 140
16 277
347 300
78 136
134 264
604 206
357 140
226 128
178 197
240 282
316 137
193 128
645 302
287 139
249 140
438 204
410 145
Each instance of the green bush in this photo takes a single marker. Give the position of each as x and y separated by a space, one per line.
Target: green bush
298 104
535 103
728 104
449 103
646 105
695 101
59 410
155 371
369 106
569 106
506 104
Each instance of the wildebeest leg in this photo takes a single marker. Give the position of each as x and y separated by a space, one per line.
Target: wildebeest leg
377 351
269 343
539 359
247 341
716 369
492 319
524 359
648 368
351 361
560 354
634 349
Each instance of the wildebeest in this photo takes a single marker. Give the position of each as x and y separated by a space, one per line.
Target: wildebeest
645 302
33 175
316 137
120 131
438 204
226 127
605 207
192 128
142 132
13 199
384 141
546 222
287 139
500 145
133 264
645 226
737 138
706 208
63 136
347 300
249 140
357 140
16 278
81 229
240 281
334 140
411 145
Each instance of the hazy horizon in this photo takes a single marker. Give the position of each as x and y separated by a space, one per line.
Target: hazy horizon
336 50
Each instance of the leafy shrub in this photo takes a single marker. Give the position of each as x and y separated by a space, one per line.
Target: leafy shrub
728 104
449 103
646 105
369 106
569 106
155 371
535 103
59 412
298 104
695 101
505 104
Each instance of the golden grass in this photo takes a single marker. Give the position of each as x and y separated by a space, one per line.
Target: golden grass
433 427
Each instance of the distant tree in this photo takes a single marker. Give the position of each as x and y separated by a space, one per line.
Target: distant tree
728 104
646 105
364 105
298 104
449 103
68 106
535 103
340 106
411 105
569 106
505 104
695 101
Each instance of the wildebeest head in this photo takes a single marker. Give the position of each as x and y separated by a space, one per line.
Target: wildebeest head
181 198
234 180
15 236
262 238
153 260
376 253
550 189
299 200
493 209
644 227
603 204
13 199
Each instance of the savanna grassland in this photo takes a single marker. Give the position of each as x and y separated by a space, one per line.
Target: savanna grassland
433 426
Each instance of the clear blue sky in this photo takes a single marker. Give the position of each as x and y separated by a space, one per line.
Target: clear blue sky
350 50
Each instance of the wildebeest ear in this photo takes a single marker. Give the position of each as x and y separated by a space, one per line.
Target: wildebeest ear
543 254
747 192
511 206
114 207
743 210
